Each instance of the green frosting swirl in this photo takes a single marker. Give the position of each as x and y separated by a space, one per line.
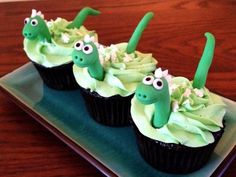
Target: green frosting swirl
191 121
122 71
59 51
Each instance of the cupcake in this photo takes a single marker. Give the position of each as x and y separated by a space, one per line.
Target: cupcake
49 44
178 122
108 76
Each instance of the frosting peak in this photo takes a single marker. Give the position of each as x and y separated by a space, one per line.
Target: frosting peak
121 76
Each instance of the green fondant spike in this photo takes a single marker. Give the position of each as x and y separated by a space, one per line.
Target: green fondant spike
205 62
147 94
35 27
81 17
89 60
133 42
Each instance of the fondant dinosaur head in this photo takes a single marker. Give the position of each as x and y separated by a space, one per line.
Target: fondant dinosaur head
85 54
153 88
35 27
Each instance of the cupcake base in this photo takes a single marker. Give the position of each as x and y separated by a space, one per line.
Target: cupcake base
58 77
110 111
175 158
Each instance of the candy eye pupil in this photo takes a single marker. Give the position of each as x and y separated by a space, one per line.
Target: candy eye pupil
148 79
159 83
26 20
34 22
86 48
78 45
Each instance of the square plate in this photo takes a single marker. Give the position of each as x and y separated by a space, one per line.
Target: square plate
112 150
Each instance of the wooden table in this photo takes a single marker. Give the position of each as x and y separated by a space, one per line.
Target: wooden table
175 36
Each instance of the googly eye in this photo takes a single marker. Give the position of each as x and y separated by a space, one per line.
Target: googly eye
148 80
87 49
34 22
157 84
78 45
26 20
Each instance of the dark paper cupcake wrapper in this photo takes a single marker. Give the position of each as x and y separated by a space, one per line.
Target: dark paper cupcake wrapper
58 77
174 158
110 111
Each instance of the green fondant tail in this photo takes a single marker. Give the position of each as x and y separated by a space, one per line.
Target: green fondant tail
205 62
133 42
81 17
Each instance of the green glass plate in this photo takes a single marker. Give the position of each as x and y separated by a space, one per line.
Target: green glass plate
112 150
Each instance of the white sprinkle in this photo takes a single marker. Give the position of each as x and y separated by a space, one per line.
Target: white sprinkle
88 38
186 102
175 106
173 87
101 48
113 56
187 92
113 48
127 58
65 37
199 92
107 57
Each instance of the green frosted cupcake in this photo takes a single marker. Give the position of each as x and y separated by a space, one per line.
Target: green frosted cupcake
108 76
49 45
177 122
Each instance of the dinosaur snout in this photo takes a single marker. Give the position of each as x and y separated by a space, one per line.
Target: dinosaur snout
27 34
146 94
141 96
77 58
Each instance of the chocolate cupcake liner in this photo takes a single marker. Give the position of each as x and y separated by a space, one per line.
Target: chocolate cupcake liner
58 77
110 111
175 158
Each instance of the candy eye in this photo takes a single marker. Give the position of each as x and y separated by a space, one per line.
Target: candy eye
148 80
26 20
78 45
87 49
158 84
34 22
